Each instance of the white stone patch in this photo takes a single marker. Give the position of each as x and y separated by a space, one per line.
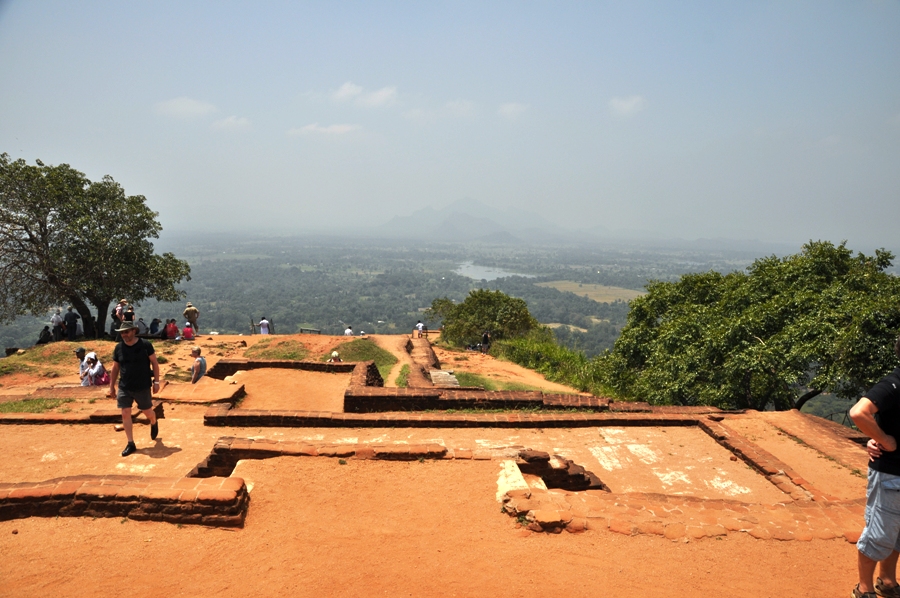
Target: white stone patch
315 437
49 457
613 435
669 478
348 440
644 453
235 473
510 478
382 438
135 467
726 486
607 456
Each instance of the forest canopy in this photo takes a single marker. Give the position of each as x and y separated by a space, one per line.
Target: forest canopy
787 329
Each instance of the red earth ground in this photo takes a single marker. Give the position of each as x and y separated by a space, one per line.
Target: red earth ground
318 527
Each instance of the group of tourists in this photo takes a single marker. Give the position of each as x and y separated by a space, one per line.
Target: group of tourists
68 326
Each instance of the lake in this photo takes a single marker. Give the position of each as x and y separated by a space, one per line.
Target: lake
470 270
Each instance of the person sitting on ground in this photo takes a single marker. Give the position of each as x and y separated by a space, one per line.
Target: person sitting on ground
142 327
198 368
45 336
154 326
172 330
335 358
82 365
95 373
187 333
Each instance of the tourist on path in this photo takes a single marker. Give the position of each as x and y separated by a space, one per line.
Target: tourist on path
57 321
485 342
264 326
349 331
198 368
191 314
71 320
134 359
877 415
419 327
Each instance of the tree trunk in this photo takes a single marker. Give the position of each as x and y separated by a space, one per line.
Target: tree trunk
102 308
806 397
87 320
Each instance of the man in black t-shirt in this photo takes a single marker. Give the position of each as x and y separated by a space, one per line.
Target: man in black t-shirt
135 360
877 415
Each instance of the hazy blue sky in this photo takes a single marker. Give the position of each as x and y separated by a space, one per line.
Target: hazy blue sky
766 120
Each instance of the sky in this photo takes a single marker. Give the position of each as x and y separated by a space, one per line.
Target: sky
775 121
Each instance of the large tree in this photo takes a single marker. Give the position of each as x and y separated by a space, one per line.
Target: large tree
482 310
66 239
787 329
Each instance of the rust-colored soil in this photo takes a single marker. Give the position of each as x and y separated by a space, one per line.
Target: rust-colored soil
319 528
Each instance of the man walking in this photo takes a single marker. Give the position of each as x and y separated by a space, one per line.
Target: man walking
191 314
877 415
135 360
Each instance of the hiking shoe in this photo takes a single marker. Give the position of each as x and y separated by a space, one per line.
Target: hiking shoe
154 431
129 448
886 591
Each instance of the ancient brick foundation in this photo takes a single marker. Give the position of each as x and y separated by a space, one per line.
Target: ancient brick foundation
214 501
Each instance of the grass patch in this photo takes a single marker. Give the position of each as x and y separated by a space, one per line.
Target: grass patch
176 374
12 365
363 349
287 349
469 379
32 405
403 376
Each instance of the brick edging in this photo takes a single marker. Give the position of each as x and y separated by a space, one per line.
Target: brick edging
213 501
101 416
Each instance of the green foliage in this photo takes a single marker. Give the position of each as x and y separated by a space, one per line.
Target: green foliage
470 379
65 239
820 320
538 351
273 348
32 405
503 316
364 349
403 376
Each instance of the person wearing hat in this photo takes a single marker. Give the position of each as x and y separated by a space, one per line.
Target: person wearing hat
187 333
191 314
82 365
136 370
335 358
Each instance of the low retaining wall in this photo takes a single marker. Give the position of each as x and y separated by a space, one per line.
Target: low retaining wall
213 501
101 416
367 399
364 373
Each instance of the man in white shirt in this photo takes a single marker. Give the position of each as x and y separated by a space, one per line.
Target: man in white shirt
349 331
264 326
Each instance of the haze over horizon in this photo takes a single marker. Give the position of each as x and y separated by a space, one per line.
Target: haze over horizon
778 122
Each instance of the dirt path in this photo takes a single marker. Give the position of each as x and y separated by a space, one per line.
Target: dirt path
317 528
396 345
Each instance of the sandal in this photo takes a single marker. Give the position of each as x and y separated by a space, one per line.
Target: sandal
886 591
857 594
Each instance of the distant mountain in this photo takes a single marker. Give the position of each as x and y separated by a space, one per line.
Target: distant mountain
470 220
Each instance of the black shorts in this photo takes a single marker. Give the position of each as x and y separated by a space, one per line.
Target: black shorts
143 398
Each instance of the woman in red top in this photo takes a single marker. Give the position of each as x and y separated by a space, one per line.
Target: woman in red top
171 330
